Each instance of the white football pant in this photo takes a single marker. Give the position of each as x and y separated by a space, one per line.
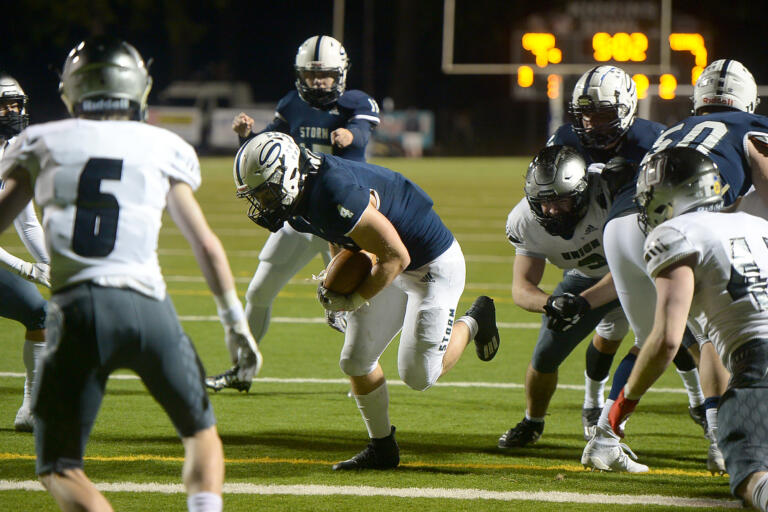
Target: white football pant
422 303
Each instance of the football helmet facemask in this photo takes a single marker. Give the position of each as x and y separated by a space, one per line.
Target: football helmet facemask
558 173
676 181
267 173
321 56
725 83
104 76
607 96
13 107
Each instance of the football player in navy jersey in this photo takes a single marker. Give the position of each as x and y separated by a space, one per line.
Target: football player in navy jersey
726 129
321 115
413 287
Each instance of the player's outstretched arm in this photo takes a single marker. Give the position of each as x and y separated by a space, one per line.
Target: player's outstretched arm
31 233
674 293
526 276
186 213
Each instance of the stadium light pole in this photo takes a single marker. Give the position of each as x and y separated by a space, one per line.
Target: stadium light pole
338 20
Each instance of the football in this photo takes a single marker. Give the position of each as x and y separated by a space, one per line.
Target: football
347 270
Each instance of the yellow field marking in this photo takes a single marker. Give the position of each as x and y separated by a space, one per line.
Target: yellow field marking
315 462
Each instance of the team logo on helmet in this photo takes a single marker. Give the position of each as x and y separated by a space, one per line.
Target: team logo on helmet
675 181
267 174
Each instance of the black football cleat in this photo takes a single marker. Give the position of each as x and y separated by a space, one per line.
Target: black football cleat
525 432
227 379
380 453
487 337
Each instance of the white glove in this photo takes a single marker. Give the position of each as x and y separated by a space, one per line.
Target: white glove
243 351
36 272
337 320
333 301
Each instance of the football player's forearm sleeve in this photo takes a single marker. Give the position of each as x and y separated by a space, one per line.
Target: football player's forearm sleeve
31 233
361 131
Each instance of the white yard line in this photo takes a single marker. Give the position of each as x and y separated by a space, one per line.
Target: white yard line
345 382
406 492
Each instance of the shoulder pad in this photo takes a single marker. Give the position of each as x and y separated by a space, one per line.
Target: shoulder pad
665 246
513 226
355 99
287 99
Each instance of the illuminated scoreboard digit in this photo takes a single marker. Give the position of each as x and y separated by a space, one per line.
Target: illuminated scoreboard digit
619 47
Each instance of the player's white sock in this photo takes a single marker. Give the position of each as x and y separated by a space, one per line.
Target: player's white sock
603 422
760 494
712 419
594 391
535 419
692 387
33 352
204 502
374 407
471 323
258 319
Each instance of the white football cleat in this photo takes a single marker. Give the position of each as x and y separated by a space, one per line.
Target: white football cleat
715 460
604 452
24 421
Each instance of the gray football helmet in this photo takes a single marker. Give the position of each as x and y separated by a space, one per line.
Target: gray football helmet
558 172
103 76
12 123
321 54
675 181
268 174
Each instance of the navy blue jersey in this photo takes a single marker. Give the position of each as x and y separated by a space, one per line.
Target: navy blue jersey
311 127
721 136
635 144
335 197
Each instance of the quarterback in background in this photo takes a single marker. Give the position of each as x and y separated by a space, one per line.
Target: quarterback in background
103 180
20 300
321 115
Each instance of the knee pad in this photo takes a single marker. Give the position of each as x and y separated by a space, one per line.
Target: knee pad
355 367
614 325
265 285
417 378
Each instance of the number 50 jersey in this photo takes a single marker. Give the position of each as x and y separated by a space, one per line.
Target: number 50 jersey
722 136
102 186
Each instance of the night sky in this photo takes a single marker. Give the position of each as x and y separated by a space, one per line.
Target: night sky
394 47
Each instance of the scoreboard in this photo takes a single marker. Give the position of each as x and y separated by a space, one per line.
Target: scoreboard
556 42
620 47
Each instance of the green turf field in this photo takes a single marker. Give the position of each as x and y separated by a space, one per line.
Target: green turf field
281 438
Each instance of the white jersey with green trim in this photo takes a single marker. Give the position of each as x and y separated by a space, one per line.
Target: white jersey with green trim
730 258
583 251
102 187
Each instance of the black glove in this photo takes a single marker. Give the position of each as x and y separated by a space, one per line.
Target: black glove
618 171
564 311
